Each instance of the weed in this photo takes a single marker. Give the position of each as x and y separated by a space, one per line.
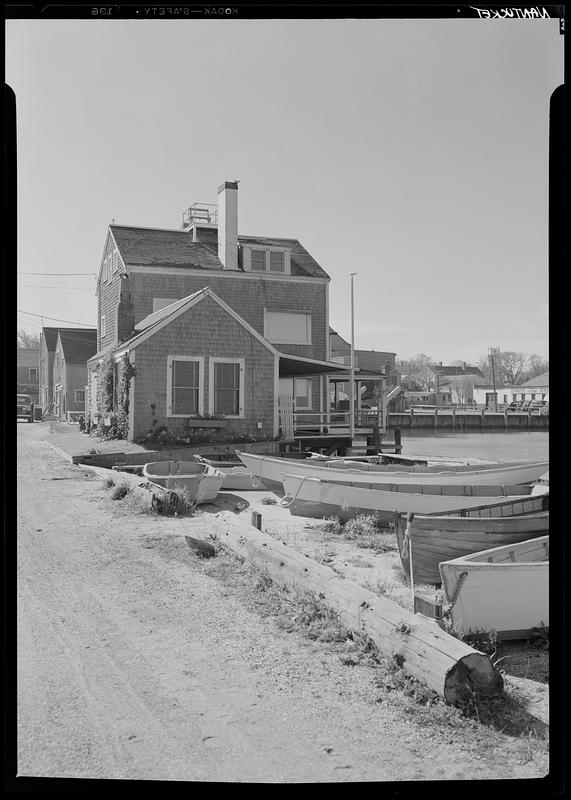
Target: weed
174 503
120 491
269 501
539 637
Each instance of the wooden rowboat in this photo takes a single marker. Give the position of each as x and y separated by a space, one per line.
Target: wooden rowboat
270 470
317 497
236 475
434 538
504 590
201 481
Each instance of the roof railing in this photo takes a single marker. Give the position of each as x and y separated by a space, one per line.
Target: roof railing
204 213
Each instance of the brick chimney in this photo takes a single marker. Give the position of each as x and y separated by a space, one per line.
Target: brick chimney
228 224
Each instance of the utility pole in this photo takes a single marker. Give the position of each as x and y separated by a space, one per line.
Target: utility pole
352 371
493 378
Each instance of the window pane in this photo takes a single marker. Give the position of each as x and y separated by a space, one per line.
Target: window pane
227 389
277 263
184 401
185 374
259 260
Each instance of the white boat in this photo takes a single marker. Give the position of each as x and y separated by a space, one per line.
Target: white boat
270 470
236 476
306 496
541 484
201 481
504 590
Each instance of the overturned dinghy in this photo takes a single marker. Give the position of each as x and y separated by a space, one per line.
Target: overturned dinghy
202 482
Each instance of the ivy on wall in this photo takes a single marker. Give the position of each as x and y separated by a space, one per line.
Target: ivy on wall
118 429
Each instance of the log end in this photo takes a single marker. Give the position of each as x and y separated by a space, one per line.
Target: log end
473 674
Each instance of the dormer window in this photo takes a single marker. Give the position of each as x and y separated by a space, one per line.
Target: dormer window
267 259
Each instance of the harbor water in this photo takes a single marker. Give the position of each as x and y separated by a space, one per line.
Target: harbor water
496 446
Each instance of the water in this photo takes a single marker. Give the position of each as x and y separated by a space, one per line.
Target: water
496 446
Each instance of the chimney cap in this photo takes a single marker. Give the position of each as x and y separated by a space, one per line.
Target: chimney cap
228 185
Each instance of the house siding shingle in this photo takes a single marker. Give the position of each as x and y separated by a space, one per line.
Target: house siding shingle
247 296
205 330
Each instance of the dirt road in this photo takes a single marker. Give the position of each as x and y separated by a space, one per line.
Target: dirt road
134 663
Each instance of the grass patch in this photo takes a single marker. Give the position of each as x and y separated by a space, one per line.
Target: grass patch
366 530
176 502
269 501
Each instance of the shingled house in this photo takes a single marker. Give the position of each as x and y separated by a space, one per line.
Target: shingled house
73 348
214 324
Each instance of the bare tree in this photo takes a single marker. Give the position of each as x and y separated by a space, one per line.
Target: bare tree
418 368
511 367
26 339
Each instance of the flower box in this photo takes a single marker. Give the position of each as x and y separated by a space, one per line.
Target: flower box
206 423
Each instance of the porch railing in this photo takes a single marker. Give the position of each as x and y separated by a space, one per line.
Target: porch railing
329 422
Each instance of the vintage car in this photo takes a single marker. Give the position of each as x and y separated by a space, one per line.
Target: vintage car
25 407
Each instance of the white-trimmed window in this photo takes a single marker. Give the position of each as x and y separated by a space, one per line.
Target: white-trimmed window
185 385
276 260
33 372
79 396
226 387
287 327
300 389
162 302
103 326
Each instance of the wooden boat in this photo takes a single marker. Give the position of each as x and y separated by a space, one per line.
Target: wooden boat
236 475
316 497
432 538
503 589
201 481
270 470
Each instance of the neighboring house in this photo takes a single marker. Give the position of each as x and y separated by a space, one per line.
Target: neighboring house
28 372
534 389
213 322
458 381
73 349
48 342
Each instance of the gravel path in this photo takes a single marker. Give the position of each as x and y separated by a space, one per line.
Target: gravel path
134 662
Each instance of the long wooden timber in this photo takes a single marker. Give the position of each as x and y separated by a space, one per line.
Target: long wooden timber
445 664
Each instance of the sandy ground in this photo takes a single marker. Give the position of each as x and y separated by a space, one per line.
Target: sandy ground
136 661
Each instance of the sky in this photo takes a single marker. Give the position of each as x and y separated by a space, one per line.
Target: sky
413 153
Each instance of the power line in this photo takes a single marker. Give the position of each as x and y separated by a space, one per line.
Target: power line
42 316
49 274
63 288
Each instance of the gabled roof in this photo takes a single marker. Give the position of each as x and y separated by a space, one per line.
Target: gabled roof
154 322
78 345
452 371
539 380
50 337
51 334
158 247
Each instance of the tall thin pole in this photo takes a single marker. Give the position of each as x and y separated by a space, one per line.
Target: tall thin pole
494 379
352 372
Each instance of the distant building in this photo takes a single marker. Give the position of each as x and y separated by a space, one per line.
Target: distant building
458 381
72 351
28 372
534 389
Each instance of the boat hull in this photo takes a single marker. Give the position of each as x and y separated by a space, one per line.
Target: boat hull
313 497
270 470
504 590
201 481
433 539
